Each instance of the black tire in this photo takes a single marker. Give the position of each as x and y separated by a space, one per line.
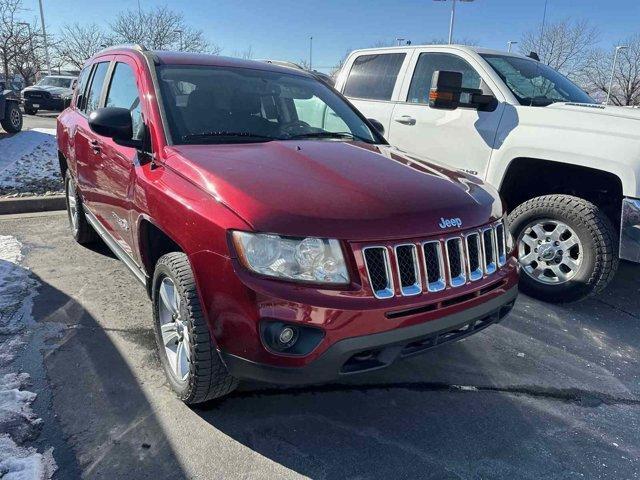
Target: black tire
82 232
593 229
207 377
12 121
30 111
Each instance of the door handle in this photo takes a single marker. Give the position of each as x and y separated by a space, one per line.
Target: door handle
95 146
405 120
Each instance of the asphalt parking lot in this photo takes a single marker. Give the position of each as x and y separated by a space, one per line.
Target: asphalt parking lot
551 393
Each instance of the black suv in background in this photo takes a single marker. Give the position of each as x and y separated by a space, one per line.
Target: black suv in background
52 92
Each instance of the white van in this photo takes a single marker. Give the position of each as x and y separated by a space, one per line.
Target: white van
567 168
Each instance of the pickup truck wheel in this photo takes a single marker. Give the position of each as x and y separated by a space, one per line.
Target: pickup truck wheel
567 247
83 233
187 353
30 111
12 121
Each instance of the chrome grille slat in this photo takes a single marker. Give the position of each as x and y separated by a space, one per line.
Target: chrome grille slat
434 266
379 271
451 262
408 269
501 244
474 256
489 250
455 261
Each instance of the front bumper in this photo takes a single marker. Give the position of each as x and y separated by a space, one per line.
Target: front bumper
57 104
630 230
372 352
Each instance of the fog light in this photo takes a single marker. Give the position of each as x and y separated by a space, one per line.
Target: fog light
290 339
287 337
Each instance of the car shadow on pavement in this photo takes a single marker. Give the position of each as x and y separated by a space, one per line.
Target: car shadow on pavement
102 407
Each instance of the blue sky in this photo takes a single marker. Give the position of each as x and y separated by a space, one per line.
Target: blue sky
281 29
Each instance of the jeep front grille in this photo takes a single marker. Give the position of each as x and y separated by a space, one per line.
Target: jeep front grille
433 265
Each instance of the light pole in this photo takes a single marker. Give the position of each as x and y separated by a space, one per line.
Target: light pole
510 43
44 38
310 53
179 32
613 70
453 16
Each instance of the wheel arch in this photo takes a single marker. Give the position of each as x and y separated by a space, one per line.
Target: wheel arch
153 243
529 177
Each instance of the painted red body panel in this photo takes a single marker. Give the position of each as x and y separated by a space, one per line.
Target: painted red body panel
350 191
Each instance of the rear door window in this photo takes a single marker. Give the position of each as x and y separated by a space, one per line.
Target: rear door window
374 77
97 81
123 92
429 63
81 86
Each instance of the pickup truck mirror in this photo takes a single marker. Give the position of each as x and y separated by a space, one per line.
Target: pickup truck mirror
115 123
446 88
377 125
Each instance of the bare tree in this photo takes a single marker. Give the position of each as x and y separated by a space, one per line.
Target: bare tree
456 41
13 36
626 79
159 29
28 58
564 45
244 54
76 43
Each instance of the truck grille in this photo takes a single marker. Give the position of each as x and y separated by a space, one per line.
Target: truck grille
433 265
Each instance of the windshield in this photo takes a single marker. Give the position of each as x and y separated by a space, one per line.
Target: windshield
55 82
534 83
208 104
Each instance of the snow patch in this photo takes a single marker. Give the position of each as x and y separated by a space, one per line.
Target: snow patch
18 421
29 163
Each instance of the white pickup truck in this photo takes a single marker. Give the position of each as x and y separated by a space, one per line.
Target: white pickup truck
567 168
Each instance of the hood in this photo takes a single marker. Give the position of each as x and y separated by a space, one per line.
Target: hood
48 88
343 190
596 109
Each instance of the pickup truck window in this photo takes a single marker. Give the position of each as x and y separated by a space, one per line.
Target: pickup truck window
373 77
534 83
431 62
93 94
233 105
123 92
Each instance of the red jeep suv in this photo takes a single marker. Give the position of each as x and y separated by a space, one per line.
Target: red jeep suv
279 236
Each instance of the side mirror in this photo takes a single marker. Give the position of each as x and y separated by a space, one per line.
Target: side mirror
115 123
377 125
446 88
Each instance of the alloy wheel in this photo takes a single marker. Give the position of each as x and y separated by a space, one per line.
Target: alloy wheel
174 329
15 118
549 251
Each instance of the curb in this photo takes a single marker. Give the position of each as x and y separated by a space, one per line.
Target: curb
9 206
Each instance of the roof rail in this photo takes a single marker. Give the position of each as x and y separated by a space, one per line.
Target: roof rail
134 46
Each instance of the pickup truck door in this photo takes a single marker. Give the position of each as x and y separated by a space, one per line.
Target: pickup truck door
463 138
115 188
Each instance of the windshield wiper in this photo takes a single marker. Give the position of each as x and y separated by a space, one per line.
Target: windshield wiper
224 133
329 135
543 101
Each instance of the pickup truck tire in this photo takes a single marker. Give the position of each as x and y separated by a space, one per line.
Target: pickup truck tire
30 111
12 121
543 226
83 233
187 353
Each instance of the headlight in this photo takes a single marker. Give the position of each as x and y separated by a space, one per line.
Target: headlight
56 95
309 259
